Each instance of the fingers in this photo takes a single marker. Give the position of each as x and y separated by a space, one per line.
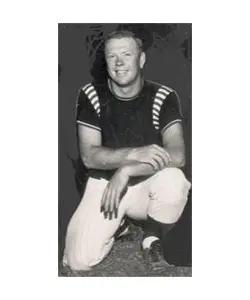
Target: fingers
157 162
116 206
162 161
163 157
111 205
104 198
153 162
118 197
105 202
112 195
156 156
162 151
108 203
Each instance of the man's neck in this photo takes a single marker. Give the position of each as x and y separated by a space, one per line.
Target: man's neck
128 91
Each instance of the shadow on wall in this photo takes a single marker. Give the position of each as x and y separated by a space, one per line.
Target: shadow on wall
151 35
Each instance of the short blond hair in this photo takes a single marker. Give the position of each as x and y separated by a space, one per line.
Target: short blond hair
119 34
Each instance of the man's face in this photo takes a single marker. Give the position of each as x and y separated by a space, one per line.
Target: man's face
124 60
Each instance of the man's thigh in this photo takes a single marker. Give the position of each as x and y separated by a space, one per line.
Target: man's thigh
168 186
136 200
89 235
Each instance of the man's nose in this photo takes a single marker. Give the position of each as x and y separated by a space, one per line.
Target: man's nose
119 61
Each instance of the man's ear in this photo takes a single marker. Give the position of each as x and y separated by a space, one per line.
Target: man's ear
142 59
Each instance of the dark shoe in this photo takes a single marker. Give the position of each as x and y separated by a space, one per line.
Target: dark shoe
154 257
124 232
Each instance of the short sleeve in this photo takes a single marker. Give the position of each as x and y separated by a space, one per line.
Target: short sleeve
170 111
86 109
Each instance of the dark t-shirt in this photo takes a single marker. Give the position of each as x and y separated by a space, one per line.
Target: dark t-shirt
134 122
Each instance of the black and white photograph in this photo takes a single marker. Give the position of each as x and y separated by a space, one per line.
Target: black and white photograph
125 150
124 146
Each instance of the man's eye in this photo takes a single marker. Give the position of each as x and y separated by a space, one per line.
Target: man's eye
127 54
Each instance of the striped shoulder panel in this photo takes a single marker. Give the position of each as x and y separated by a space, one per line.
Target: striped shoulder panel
161 94
91 93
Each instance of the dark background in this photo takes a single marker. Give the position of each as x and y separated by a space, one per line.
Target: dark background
168 50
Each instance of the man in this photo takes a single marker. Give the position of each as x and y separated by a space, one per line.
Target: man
131 141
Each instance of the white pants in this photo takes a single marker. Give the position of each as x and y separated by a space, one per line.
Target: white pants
89 237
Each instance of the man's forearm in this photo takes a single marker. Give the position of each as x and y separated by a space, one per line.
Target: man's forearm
139 169
99 157
103 158
136 169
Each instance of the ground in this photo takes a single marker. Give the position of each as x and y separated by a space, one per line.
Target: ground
125 260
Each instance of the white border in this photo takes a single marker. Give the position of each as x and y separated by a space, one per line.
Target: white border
29 149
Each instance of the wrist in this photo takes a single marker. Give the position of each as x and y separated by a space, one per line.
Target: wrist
131 156
126 170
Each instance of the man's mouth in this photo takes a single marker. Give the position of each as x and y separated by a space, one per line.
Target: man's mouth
120 72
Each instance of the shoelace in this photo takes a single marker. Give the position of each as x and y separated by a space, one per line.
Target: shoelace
156 253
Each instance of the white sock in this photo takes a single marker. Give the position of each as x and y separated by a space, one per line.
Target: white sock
146 243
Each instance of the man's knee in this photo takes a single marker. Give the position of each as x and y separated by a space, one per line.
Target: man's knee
171 174
171 186
75 263
83 255
80 259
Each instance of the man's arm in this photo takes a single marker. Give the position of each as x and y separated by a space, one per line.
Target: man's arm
173 142
95 156
171 129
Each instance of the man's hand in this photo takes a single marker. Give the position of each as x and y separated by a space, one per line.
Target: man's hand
154 155
113 193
